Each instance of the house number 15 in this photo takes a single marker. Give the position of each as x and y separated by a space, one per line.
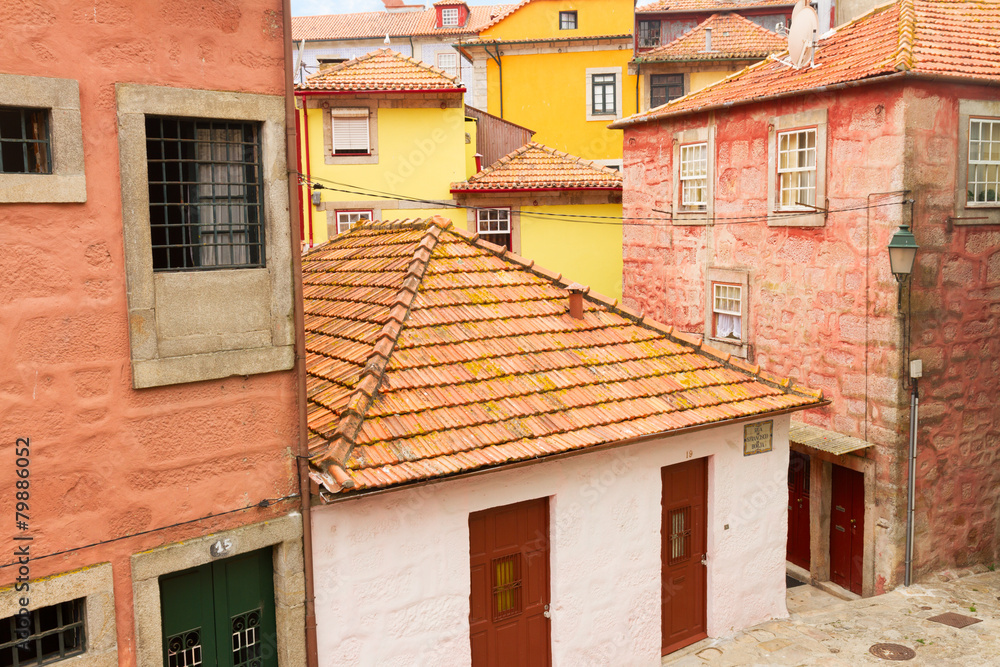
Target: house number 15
221 548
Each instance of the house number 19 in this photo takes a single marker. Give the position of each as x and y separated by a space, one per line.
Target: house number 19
221 548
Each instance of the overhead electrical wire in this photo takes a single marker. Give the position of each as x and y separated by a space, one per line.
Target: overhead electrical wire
318 183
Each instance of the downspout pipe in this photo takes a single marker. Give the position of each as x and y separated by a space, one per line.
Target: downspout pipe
302 452
911 481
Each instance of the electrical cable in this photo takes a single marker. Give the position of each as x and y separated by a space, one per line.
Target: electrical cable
318 183
266 502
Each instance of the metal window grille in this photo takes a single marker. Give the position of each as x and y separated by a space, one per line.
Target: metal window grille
347 218
665 87
680 535
984 161
727 308
797 169
449 16
205 187
649 34
506 586
25 146
349 128
567 20
603 93
694 177
246 639
47 635
184 649
494 226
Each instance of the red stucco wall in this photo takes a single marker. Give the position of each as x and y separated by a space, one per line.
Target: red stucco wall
108 461
823 303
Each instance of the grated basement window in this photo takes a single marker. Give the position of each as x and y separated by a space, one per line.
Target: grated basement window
53 634
25 147
205 194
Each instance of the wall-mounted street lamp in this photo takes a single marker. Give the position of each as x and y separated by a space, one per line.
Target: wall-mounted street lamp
902 251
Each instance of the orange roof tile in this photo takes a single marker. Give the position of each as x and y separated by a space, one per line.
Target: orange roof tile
954 38
370 25
708 5
382 70
732 37
430 353
534 167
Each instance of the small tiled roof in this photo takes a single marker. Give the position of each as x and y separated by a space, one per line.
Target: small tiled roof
371 25
430 353
955 38
534 166
708 5
732 37
382 70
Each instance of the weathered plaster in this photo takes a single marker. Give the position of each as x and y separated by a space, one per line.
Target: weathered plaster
392 570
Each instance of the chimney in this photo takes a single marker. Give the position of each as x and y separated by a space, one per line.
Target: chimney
576 291
708 39
479 162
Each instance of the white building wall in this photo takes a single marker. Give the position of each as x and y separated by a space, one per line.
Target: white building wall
392 569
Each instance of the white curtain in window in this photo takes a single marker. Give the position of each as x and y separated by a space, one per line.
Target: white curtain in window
222 214
727 326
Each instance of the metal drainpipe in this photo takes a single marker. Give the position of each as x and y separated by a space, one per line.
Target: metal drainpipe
302 453
911 481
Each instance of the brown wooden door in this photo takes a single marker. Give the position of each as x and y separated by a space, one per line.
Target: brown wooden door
683 538
847 522
509 602
797 550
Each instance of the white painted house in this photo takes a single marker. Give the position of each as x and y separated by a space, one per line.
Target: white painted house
517 472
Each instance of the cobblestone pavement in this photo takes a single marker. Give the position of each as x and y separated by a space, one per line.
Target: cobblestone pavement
824 630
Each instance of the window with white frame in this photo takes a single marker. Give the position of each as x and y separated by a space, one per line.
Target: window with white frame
603 94
345 219
797 169
694 177
349 131
984 161
449 16
727 311
448 62
493 225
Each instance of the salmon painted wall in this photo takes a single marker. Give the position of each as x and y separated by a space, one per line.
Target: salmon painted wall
108 461
822 304
585 249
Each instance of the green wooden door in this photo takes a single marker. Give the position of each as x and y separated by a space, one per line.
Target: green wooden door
220 614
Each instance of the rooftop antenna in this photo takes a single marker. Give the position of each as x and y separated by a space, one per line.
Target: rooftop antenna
802 34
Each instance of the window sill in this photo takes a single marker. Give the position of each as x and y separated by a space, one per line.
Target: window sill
603 116
730 345
796 218
351 158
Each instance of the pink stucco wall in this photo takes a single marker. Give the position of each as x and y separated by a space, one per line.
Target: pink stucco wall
107 460
822 306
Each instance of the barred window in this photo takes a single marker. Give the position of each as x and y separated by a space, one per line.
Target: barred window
797 169
694 177
494 226
25 147
205 192
984 161
43 636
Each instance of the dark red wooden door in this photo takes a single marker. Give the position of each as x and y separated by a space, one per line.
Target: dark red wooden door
847 521
509 602
683 537
797 550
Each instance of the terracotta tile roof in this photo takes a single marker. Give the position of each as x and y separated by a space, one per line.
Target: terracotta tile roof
732 37
708 5
430 353
382 70
534 166
371 25
955 38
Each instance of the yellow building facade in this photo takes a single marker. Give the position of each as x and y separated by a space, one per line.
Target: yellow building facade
560 67
382 137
